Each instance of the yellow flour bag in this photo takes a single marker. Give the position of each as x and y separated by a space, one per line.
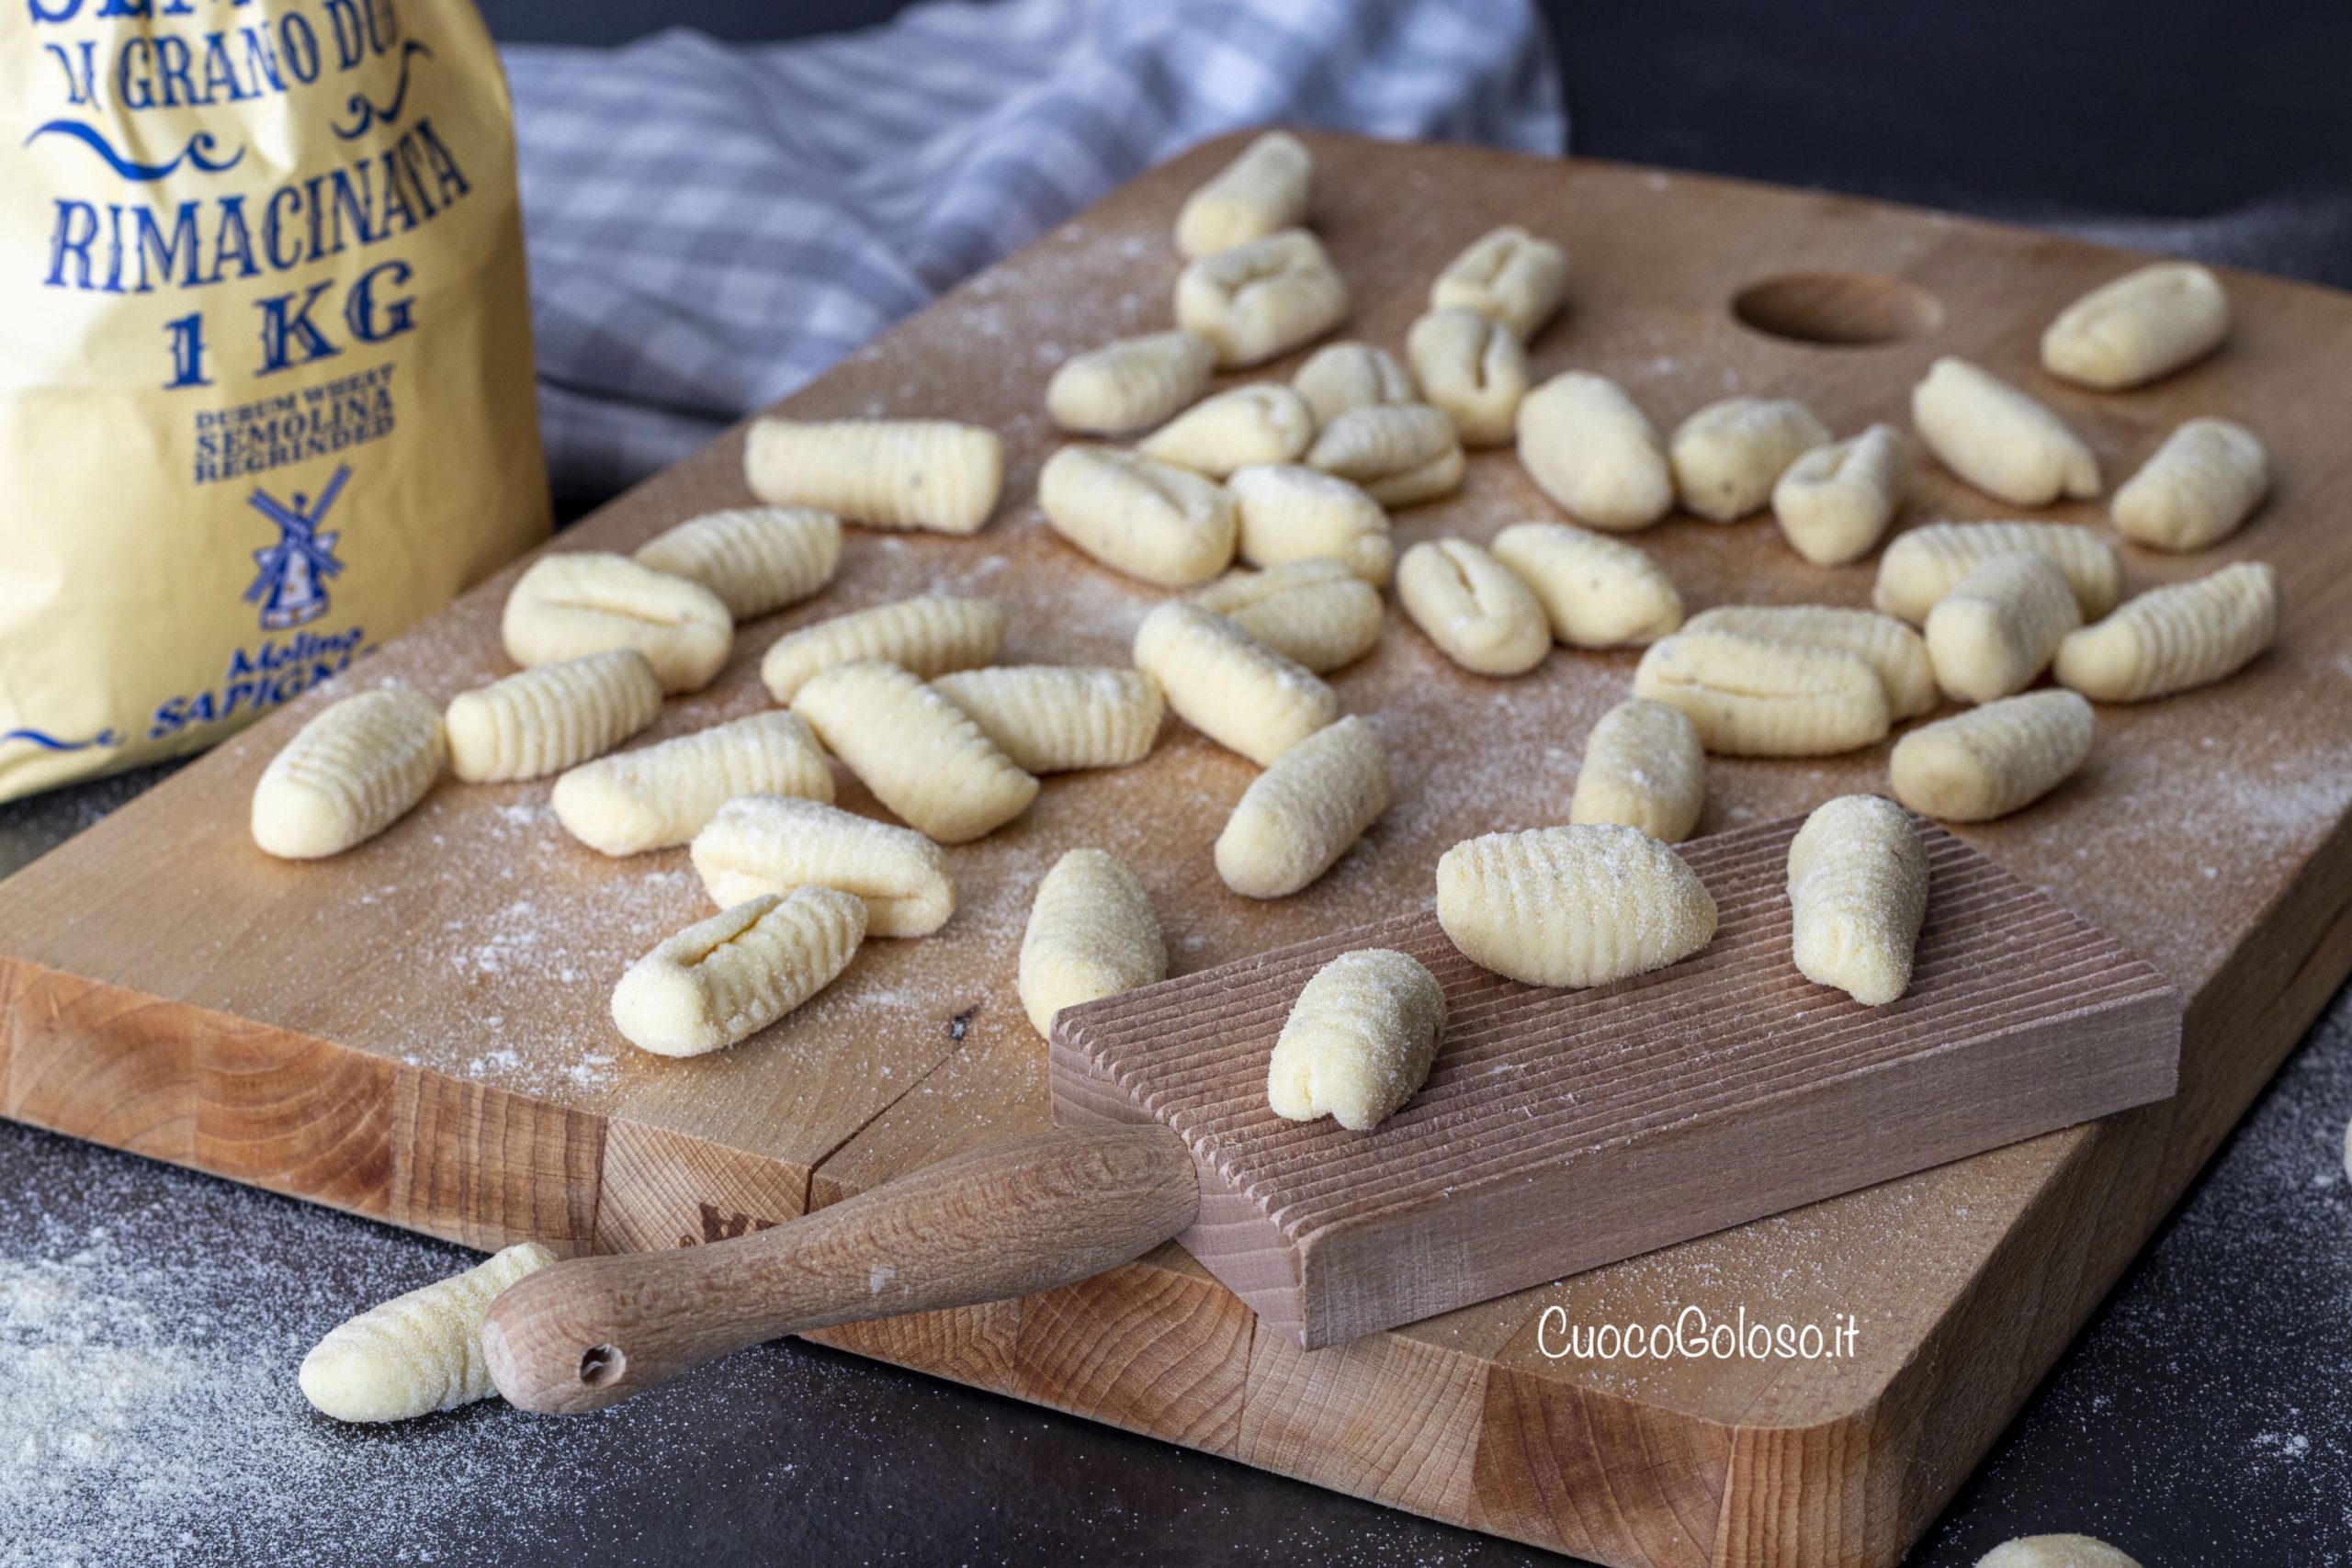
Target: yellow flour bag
264 357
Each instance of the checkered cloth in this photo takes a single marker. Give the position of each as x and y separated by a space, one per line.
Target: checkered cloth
711 227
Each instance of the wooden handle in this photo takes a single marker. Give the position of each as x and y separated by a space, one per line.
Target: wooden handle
1015 1217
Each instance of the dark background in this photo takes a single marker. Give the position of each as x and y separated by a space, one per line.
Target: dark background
2202 1416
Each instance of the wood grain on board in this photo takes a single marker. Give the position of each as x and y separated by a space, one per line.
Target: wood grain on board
417 1030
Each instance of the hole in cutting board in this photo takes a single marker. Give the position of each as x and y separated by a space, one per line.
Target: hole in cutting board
600 1364
1842 309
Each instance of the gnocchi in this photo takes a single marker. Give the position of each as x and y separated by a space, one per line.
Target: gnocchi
774 843
1507 274
1288 511
1751 697
1342 376
588 600
2056 1551
1728 457
1993 759
1595 591
1092 933
1999 627
1587 445
1574 906
1644 768
1480 614
1999 439
1834 502
1885 643
930 636
1130 385
1265 423
1052 718
1857 896
1268 187
1400 453
1924 564
2204 482
756 558
1359 1041
1262 298
2139 328
1150 520
724 979
1315 612
920 754
1472 367
663 794
932 474
1228 685
351 772
546 719
416 1353
1301 815
2171 640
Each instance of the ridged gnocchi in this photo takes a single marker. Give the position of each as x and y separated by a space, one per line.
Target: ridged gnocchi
930 635
1342 376
1885 643
1289 512
1728 457
1922 565
2172 640
1269 188
1999 627
1471 366
416 1353
2204 482
585 602
1588 447
1479 612
1052 718
1317 612
546 719
1301 815
665 793
1999 439
1644 768
1092 933
1507 274
1574 906
1154 520
1400 453
1595 591
351 772
1262 298
1751 697
1130 385
920 754
887 473
2139 328
773 843
1263 423
1834 502
1857 896
724 979
1993 759
1228 685
1359 1041
757 559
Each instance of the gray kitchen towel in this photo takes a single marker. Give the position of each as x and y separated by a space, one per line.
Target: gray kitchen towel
712 226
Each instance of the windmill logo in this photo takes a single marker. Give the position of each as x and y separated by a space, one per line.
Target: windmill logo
292 586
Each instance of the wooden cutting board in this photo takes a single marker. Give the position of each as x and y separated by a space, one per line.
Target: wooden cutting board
417 1030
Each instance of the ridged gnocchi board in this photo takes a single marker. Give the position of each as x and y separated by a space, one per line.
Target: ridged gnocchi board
416 1031
1563 1130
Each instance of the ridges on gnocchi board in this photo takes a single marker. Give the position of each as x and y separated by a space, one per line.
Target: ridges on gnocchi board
1564 1130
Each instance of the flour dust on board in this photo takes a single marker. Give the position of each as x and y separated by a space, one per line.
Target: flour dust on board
265 390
